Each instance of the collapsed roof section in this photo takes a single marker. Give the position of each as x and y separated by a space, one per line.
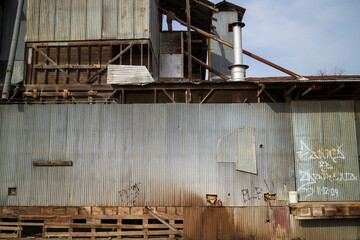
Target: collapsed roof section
201 11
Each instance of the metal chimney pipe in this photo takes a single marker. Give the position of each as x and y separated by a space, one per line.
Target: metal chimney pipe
9 69
238 69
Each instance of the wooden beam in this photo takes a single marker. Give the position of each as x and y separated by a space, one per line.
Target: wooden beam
52 163
261 90
110 62
172 99
208 67
207 95
215 9
308 90
166 224
69 66
268 94
336 89
290 90
50 60
188 33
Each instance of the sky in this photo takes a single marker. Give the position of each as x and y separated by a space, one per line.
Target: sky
304 36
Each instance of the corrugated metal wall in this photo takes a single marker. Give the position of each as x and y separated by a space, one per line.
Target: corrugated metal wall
126 155
326 151
68 20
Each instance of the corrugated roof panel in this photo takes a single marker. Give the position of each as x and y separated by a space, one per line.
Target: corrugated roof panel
110 19
62 21
47 20
93 19
325 151
78 20
126 19
32 23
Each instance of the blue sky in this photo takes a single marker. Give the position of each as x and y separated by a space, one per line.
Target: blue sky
303 36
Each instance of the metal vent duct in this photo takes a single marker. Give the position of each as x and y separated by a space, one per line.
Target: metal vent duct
238 69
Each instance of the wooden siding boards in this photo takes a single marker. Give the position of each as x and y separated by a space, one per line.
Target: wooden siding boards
125 19
110 19
47 20
32 27
141 18
63 20
94 19
78 20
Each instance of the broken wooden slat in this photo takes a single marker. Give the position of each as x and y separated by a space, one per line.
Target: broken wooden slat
52 163
166 224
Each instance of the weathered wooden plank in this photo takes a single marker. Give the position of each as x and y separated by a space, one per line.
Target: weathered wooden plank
141 18
94 20
78 20
110 19
47 20
21 224
62 22
7 236
9 228
52 163
32 22
125 19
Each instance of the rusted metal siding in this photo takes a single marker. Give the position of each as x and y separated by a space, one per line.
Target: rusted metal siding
211 223
125 155
326 151
64 20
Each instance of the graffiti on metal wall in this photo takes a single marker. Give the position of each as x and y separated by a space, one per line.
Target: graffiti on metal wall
130 194
322 162
250 194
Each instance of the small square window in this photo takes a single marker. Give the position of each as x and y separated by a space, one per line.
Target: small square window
12 191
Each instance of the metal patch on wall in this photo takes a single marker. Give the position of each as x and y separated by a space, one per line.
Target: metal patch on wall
239 147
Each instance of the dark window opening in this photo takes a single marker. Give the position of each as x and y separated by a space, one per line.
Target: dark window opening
132 221
79 220
230 27
108 221
31 231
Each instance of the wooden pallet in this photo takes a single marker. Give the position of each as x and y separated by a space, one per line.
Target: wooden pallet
89 222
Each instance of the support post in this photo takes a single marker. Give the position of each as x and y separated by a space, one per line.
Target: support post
188 18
